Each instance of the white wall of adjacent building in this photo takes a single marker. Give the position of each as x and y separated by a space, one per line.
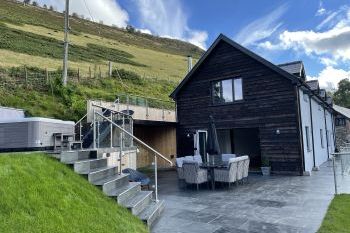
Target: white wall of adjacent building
317 130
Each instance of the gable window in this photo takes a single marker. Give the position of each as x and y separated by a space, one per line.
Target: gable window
307 134
321 135
227 90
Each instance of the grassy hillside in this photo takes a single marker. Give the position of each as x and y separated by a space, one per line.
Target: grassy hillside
32 37
39 194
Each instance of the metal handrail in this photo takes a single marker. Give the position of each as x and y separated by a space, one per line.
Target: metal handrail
80 119
112 110
137 139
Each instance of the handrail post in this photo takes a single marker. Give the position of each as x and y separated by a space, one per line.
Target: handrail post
111 130
156 177
120 153
80 136
94 130
123 122
334 174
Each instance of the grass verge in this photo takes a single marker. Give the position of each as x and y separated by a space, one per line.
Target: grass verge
38 194
337 217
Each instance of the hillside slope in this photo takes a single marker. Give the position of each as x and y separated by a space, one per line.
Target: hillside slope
31 51
39 194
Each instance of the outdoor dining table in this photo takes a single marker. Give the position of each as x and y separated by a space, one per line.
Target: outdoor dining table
210 166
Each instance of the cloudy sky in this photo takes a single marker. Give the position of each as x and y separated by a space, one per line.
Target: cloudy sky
314 31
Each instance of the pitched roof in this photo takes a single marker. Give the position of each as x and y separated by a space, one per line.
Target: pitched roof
294 67
313 84
237 46
343 111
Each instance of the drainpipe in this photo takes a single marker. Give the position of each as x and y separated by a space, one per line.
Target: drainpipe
312 135
325 125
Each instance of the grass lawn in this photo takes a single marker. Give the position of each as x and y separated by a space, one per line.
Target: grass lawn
38 194
337 217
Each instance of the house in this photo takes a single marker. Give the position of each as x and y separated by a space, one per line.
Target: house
342 126
264 110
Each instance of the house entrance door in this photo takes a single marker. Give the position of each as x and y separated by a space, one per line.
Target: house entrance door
200 144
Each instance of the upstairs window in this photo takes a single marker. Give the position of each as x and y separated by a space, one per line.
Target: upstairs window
227 91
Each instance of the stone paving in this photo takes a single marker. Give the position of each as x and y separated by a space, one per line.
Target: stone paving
264 204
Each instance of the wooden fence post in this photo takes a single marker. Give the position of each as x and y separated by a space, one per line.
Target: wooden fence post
26 75
110 69
78 75
47 76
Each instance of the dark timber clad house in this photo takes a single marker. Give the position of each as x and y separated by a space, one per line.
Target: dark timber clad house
256 106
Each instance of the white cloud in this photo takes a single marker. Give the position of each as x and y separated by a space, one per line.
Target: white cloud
145 31
330 77
168 19
261 28
108 11
321 10
329 45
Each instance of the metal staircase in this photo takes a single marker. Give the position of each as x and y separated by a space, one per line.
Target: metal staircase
112 131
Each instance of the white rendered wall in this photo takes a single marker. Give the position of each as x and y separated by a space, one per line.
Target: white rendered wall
306 121
318 120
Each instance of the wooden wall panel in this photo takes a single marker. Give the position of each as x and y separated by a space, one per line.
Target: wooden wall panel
269 104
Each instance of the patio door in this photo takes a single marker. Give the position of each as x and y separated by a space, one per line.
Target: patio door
200 144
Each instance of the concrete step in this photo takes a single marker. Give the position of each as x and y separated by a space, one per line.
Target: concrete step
101 173
138 201
89 165
124 192
151 212
112 182
70 157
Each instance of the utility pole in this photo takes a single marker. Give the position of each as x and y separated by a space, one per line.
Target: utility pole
66 43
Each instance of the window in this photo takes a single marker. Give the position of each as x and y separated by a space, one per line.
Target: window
321 136
227 91
307 134
340 122
306 97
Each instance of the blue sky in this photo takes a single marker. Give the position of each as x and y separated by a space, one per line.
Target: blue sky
314 31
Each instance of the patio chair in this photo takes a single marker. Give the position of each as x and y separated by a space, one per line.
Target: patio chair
179 169
227 175
246 167
188 158
194 174
240 167
198 159
226 157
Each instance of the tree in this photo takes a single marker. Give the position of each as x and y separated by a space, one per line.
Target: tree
51 8
26 1
45 6
75 15
130 29
342 95
34 3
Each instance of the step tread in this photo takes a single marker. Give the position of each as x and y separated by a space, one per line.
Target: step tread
109 179
101 169
117 191
137 198
87 160
150 209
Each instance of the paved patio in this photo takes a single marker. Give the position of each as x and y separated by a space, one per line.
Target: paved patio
273 204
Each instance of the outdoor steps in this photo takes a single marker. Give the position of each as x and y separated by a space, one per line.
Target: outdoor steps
151 212
113 184
137 202
70 157
89 165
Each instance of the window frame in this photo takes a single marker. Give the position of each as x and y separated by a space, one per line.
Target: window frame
307 137
213 82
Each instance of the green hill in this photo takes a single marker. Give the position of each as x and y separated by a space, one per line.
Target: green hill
57 200
32 37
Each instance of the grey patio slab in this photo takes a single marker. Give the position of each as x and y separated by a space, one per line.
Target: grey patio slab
264 204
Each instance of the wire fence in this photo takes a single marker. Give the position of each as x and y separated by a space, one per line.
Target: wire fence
42 79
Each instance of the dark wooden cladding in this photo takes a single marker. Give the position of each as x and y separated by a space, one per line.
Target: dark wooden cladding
269 104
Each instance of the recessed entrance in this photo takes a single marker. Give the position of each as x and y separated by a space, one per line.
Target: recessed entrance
241 142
